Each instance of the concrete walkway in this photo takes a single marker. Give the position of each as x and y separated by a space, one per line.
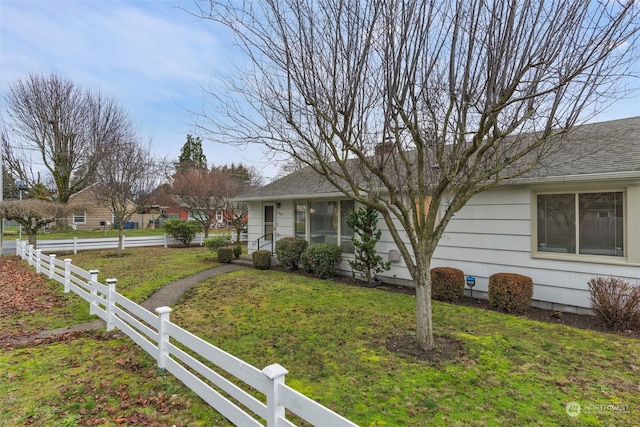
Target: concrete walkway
166 296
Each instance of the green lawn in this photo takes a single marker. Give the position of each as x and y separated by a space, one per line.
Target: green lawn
333 339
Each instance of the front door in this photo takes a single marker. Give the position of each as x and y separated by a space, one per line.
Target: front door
268 229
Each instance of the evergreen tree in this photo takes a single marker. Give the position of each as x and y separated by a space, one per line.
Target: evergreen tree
364 222
191 155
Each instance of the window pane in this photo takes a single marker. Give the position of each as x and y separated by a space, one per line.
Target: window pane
346 232
300 223
557 223
268 222
601 224
323 222
79 218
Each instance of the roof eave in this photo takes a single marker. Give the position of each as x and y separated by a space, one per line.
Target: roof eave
606 176
273 198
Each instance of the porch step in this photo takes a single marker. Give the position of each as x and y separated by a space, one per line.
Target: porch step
247 261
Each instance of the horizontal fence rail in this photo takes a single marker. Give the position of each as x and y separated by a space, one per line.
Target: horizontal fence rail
79 244
201 366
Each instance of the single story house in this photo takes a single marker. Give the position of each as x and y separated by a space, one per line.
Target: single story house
88 214
572 220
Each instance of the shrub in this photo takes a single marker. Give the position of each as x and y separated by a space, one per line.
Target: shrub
237 251
324 259
216 241
447 284
615 302
262 259
184 231
510 292
289 250
225 254
304 263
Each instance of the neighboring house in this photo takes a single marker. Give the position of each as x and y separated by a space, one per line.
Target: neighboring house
87 214
574 219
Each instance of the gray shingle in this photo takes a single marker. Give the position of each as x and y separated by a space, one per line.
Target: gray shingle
597 148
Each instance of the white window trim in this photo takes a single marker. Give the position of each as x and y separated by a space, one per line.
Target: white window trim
76 215
307 219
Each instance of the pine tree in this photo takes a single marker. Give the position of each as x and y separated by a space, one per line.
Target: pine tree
364 222
191 155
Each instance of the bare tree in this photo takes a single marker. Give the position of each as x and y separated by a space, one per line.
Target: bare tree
64 128
413 107
32 214
202 193
125 178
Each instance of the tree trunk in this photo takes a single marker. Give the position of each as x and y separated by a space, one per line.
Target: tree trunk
120 239
424 324
33 237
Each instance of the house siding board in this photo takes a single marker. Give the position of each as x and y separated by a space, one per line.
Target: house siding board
481 245
254 227
285 219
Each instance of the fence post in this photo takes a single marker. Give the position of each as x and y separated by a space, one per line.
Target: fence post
110 309
166 241
93 298
123 242
163 337
30 255
67 275
75 245
38 253
19 249
52 265
23 252
275 411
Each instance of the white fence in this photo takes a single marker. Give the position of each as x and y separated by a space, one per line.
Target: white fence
189 358
75 244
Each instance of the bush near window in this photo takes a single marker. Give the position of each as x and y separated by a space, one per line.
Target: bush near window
217 241
324 259
289 250
615 302
304 263
447 284
262 259
225 254
510 292
184 231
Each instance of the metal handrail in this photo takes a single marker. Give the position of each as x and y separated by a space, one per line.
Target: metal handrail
257 242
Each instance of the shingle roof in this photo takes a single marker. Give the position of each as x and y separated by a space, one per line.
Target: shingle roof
589 150
304 182
597 148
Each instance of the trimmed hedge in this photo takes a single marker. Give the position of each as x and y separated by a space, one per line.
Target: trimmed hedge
510 292
324 259
447 284
289 250
261 259
237 251
225 254
304 263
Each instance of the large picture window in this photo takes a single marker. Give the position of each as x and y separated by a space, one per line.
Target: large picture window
581 223
324 222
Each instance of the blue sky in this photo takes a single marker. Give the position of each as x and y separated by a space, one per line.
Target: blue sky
152 57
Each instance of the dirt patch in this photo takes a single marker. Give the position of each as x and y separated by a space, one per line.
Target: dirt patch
445 348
